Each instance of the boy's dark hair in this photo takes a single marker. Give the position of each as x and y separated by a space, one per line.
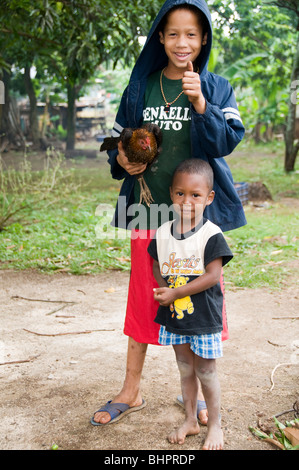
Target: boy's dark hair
196 166
202 19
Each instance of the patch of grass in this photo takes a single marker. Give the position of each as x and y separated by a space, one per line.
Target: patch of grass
60 234
265 163
266 249
62 239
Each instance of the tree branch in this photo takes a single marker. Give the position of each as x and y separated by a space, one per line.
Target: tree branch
30 36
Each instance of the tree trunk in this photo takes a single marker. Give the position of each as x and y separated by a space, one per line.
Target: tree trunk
71 116
34 130
257 133
291 149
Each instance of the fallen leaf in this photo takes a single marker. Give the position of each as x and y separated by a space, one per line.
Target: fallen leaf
292 434
276 252
110 290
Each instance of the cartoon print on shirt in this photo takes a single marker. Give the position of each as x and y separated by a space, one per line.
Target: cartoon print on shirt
180 305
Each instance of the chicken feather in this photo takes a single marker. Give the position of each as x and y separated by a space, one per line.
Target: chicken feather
141 145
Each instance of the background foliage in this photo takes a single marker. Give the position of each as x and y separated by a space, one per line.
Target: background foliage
70 42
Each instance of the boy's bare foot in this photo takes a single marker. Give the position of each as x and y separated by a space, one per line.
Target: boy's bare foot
214 439
188 428
201 406
203 417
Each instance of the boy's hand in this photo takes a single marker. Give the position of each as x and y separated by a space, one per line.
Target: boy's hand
192 88
131 168
164 295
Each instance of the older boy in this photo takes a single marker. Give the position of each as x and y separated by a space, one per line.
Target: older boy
198 115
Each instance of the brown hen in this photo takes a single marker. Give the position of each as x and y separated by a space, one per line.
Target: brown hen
141 145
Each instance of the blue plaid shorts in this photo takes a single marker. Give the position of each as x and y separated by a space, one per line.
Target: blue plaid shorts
207 346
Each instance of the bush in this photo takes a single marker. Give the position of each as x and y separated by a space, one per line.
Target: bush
23 189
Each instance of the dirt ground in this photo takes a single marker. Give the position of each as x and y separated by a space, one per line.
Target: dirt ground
61 365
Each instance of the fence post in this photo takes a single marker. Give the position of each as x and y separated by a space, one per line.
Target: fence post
2 93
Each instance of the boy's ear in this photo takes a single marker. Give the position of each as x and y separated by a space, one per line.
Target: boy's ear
161 37
210 198
170 192
205 39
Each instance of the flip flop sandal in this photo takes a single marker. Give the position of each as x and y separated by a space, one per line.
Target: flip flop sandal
117 411
201 405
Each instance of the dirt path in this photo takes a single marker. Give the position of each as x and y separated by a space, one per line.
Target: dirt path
51 398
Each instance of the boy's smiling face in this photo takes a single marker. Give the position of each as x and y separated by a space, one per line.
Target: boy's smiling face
190 194
182 39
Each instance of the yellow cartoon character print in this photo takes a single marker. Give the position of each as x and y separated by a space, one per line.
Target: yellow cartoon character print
180 305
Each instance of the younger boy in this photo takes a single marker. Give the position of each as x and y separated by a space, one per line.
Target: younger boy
189 253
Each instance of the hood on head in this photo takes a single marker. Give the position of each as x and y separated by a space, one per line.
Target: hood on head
153 56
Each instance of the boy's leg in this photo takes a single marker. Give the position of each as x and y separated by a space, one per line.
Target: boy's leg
203 414
206 372
189 385
130 392
142 327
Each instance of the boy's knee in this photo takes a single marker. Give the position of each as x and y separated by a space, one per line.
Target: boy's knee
185 368
206 371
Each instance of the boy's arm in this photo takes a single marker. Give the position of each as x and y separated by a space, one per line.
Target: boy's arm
118 171
157 274
166 296
219 128
131 168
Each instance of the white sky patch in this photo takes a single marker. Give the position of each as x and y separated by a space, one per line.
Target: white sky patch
142 40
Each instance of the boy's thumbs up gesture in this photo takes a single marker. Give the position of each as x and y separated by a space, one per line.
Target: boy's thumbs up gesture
192 88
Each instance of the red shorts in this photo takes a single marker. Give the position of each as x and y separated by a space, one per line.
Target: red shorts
141 306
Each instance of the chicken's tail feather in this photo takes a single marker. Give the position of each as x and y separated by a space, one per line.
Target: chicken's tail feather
109 143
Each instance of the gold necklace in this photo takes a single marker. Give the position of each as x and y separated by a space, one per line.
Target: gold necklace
167 104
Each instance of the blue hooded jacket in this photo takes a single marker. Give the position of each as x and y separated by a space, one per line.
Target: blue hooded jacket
213 134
